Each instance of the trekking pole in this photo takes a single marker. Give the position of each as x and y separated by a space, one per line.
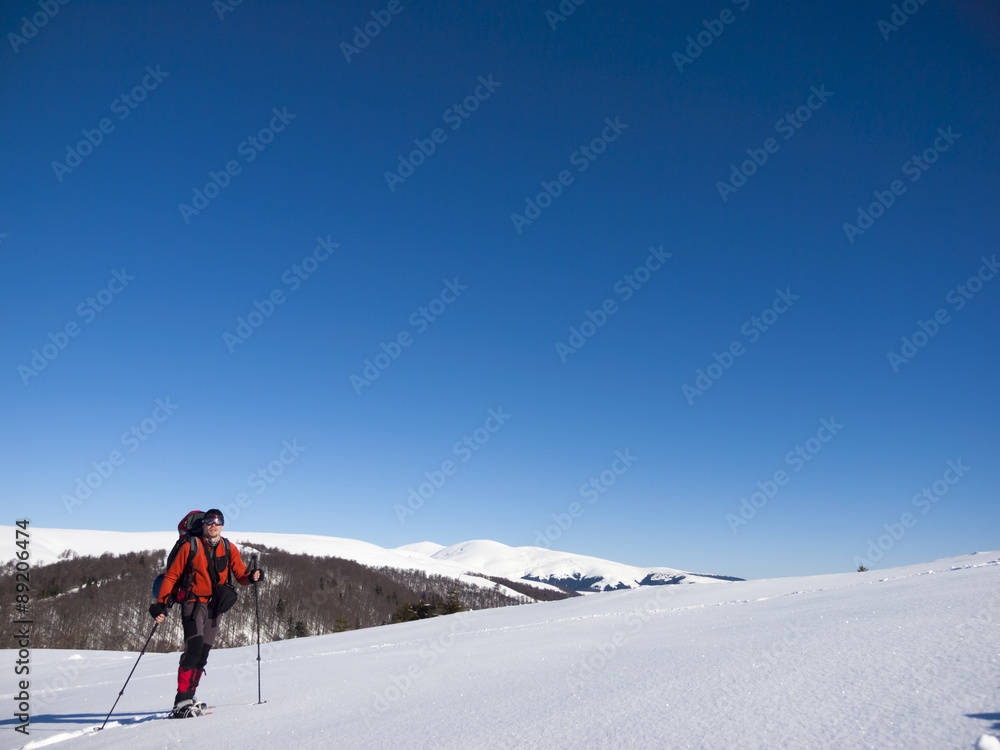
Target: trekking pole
256 605
155 625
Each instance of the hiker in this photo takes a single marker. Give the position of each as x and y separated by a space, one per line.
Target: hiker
194 581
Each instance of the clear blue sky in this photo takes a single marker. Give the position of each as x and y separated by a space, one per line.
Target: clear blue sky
123 286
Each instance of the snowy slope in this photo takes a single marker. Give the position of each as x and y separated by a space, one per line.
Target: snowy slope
574 571
423 548
482 557
905 659
47 544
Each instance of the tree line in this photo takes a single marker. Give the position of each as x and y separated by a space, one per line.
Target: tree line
101 603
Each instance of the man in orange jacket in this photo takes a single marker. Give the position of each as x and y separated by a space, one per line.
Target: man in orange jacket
207 571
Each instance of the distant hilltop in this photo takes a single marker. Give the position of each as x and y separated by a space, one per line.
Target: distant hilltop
480 558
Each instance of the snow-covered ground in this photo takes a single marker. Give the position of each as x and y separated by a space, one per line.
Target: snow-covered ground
901 658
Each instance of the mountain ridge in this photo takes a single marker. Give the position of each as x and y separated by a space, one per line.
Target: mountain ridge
475 561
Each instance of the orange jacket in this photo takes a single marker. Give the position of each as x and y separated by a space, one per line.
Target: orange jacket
201 583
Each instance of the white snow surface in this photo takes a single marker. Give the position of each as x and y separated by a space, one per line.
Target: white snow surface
424 548
905 658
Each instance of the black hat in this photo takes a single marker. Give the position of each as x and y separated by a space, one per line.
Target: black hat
213 512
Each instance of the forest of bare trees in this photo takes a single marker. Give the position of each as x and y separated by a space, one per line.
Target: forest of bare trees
102 602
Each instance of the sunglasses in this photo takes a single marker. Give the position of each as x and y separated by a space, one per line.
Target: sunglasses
213 521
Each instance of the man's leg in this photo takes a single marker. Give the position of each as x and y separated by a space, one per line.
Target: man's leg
193 618
200 666
210 630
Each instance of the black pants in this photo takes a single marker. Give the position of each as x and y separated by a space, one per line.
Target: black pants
200 630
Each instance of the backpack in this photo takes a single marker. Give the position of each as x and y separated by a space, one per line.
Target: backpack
189 533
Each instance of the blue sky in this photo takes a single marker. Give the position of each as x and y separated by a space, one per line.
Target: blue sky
363 210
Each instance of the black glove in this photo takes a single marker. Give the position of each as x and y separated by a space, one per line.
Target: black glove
253 569
156 609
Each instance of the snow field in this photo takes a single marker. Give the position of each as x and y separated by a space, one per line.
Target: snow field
905 658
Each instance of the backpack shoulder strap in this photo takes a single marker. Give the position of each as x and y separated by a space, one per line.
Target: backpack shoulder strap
229 557
193 547
184 580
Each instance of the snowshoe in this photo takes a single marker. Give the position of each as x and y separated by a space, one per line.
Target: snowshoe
187 709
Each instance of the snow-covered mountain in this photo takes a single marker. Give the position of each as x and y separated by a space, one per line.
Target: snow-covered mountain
900 659
577 572
469 561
